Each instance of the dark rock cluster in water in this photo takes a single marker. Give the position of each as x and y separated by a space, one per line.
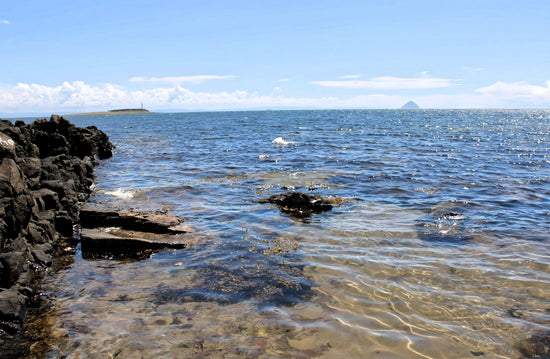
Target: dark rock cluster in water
536 346
298 203
235 280
46 170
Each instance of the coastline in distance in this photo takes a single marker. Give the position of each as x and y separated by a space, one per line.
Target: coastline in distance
127 111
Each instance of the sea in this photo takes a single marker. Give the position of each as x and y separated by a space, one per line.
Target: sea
437 246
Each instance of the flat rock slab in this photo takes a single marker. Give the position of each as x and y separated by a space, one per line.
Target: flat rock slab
131 235
154 222
120 244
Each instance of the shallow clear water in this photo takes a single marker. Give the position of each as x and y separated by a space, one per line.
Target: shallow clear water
439 249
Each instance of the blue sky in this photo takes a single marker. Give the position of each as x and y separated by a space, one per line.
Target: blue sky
72 56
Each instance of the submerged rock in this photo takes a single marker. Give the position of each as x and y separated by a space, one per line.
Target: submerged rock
537 346
264 282
298 203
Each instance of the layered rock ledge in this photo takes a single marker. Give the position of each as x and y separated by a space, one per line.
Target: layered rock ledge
46 170
130 235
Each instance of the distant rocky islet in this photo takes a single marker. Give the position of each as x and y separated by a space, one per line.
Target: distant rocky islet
411 105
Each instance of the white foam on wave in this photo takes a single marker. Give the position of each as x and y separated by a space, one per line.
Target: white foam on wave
265 157
121 194
279 141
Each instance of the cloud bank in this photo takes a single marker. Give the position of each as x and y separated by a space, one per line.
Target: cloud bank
517 90
81 97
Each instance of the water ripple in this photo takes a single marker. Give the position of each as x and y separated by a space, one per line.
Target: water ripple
439 250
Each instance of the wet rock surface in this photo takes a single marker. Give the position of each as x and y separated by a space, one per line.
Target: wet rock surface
298 203
130 235
46 170
159 222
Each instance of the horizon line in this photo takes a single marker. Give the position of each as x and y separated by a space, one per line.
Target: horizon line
41 114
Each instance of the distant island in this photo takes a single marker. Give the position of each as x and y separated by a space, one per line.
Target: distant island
124 111
410 106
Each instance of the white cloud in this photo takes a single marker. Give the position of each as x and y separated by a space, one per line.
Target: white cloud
390 83
283 80
181 79
81 97
517 90
5 22
76 94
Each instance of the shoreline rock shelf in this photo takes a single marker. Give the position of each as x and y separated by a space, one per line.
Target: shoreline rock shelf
130 235
159 222
46 170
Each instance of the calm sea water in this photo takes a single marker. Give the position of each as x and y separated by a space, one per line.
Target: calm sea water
439 248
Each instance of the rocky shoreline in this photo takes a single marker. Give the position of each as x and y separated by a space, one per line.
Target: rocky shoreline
46 173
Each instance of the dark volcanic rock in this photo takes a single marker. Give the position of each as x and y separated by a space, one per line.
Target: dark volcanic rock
299 203
11 178
42 254
12 310
46 169
64 224
58 136
13 264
